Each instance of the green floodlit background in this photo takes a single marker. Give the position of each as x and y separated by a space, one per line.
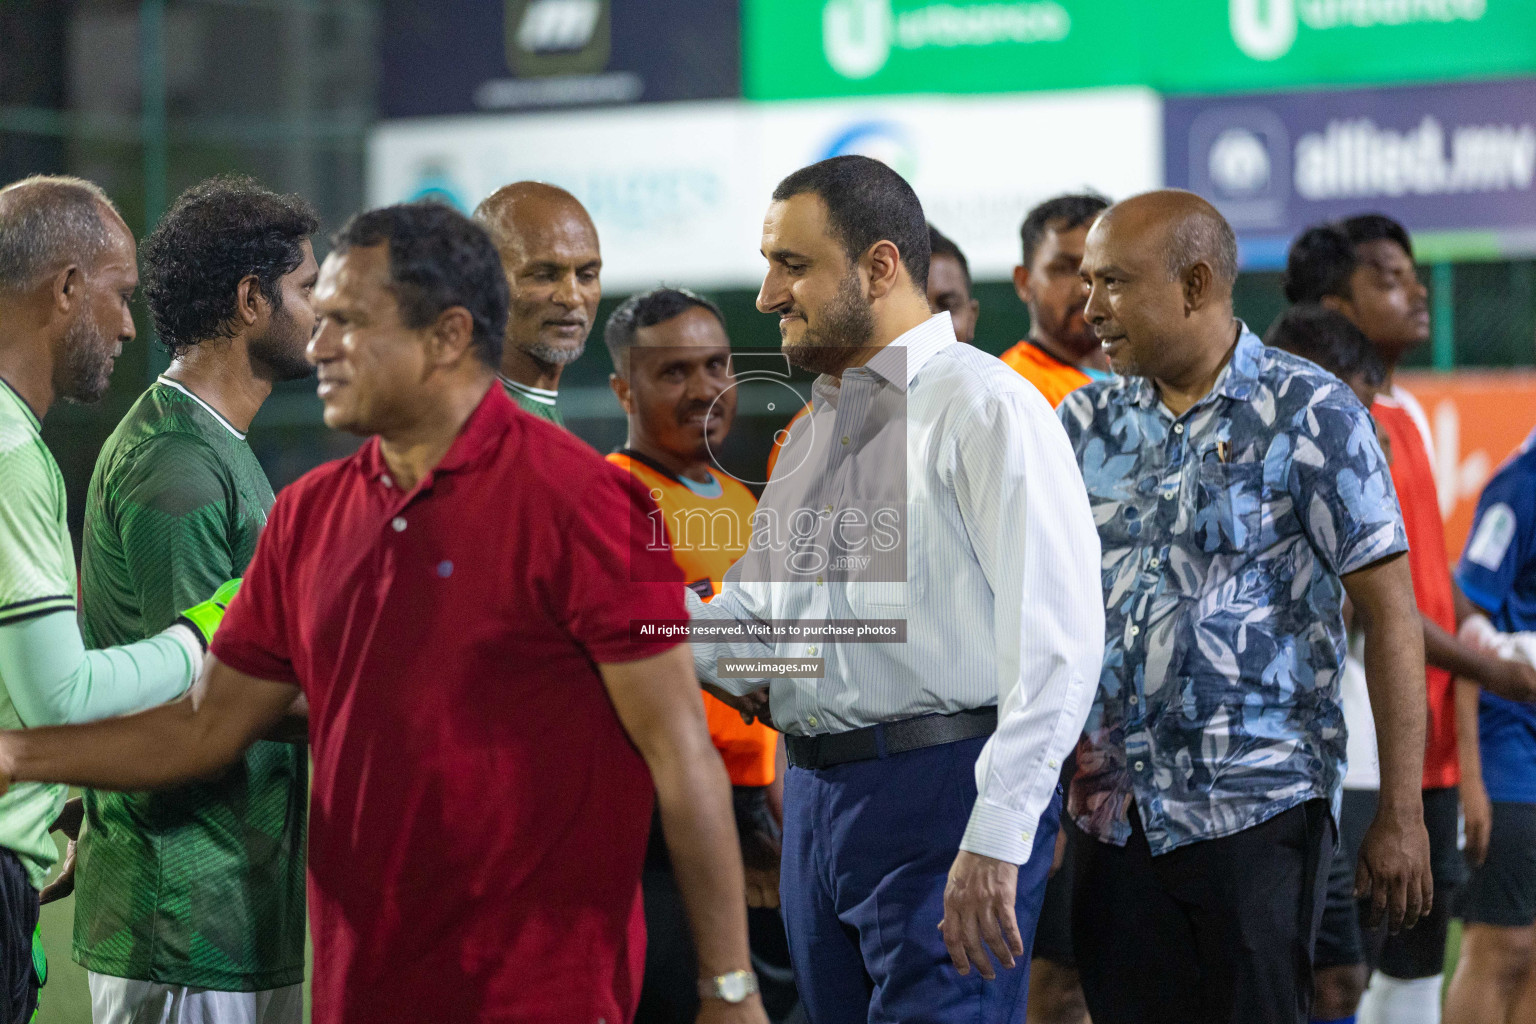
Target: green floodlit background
148 96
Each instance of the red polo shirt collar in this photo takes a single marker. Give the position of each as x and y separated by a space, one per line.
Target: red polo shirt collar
490 422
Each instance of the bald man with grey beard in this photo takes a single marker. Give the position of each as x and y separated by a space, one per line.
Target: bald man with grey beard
550 254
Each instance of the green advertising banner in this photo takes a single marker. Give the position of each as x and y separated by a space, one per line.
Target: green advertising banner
796 49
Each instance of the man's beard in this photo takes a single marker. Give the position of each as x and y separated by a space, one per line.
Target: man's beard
84 370
552 356
1081 340
846 326
274 357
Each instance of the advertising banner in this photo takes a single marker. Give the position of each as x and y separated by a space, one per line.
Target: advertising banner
460 56
678 191
794 49
797 49
1240 45
1455 163
978 163
1476 421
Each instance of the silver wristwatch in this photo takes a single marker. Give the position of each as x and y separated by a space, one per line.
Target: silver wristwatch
734 987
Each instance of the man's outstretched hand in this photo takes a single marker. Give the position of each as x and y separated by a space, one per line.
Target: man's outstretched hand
1393 872
753 707
68 822
979 914
7 772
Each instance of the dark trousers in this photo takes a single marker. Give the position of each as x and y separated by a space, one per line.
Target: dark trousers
1215 932
867 851
670 991
18 920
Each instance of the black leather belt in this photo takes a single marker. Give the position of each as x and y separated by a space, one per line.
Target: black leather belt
888 738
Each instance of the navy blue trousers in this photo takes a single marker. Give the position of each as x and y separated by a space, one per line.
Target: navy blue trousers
867 851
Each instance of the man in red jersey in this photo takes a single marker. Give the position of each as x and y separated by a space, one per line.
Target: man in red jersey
457 608
1364 268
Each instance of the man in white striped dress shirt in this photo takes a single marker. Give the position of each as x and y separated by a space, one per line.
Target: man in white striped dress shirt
930 487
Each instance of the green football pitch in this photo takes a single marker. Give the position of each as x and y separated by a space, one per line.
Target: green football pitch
66 1000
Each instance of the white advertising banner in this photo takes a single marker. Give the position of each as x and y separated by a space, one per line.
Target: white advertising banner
678 191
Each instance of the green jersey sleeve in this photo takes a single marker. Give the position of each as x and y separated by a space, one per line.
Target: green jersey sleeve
37 561
171 499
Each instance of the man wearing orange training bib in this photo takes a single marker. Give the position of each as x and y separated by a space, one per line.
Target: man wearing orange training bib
672 374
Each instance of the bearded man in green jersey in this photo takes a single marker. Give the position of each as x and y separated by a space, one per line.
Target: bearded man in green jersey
67 271
549 252
191 900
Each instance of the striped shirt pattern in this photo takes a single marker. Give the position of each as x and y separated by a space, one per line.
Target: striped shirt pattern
995 580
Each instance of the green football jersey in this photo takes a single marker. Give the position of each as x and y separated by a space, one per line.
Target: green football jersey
37 577
201 885
538 401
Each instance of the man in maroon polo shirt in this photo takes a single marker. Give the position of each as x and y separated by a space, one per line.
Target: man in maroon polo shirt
455 604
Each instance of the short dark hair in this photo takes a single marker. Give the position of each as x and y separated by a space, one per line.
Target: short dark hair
866 202
438 259
216 234
1377 227
1063 213
940 244
1319 263
647 309
48 222
1331 340
1323 258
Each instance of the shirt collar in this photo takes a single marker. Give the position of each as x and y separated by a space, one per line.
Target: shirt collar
1236 380
544 396
176 385
6 391
492 418
1242 372
899 362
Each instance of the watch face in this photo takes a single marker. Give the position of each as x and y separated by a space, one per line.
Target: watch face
733 987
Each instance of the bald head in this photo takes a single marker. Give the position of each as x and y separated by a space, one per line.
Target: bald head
549 250
50 222
514 211
1160 268
1189 230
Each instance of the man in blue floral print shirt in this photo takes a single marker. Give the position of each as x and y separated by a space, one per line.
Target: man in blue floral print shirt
1240 494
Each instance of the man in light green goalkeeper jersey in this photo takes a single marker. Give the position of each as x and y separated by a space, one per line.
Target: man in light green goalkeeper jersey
190 901
549 251
67 271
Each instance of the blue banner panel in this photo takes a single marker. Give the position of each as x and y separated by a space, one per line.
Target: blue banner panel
1455 163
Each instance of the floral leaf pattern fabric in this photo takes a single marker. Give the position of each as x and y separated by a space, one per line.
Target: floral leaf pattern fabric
1225 532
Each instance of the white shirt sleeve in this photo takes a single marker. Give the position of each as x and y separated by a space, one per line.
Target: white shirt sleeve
1026 512
734 603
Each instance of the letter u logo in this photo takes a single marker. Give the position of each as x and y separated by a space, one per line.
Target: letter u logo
856 35
1263 29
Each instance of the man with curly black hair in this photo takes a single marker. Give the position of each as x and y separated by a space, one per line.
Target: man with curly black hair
194 897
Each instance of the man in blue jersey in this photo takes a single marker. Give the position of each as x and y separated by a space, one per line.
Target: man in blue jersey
1494 977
